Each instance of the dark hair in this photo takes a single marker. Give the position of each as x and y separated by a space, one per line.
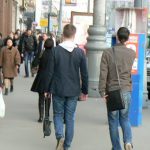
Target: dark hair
29 29
69 30
1 35
123 34
49 43
9 38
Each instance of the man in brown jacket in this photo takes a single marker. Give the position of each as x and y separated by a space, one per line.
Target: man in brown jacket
108 81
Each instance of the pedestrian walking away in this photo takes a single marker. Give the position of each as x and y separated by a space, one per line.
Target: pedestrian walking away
41 82
9 63
69 63
122 58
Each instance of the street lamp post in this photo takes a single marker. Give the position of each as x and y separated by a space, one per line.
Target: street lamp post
96 43
138 3
88 8
60 19
49 15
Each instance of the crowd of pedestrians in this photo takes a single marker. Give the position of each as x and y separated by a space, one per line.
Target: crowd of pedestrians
62 77
15 49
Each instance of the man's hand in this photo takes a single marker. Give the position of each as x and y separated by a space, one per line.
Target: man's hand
0 89
46 94
17 67
83 97
105 98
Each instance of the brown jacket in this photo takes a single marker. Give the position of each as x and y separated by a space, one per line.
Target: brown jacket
108 77
9 59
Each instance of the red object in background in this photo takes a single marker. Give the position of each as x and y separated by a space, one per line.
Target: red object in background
83 48
133 44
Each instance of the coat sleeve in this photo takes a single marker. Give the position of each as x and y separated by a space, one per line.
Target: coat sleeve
35 45
17 58
103 74
49 72
84 74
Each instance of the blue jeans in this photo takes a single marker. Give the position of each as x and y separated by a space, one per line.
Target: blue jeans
64 112
28 57
122 117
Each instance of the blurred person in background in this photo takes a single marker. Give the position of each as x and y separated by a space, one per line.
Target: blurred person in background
16 40
20 46
1 41
10 35
29 50
40 50
9 63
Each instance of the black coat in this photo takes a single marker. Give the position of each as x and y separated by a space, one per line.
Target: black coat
36 60
68 68
42 80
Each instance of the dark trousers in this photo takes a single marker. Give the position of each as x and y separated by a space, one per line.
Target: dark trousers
28 57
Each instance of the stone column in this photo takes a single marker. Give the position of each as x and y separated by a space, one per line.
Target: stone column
96 43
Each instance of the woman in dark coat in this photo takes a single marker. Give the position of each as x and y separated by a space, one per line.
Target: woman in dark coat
41 82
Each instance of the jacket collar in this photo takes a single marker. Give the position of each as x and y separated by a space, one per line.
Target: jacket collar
120 44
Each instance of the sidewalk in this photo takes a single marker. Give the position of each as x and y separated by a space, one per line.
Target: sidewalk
19 129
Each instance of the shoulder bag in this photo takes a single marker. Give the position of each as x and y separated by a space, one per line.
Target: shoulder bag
115 99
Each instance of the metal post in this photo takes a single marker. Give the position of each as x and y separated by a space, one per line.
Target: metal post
49 15
60 19
96 43
88 8
138 3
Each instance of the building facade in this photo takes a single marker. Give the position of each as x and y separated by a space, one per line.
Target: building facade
9 15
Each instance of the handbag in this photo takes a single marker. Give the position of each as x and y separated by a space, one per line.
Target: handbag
115 100
47 122
2 105
35 65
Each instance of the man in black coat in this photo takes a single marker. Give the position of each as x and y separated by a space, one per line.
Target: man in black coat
69 64
29 49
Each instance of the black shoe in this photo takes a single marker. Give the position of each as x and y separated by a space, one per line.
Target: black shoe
26 76
32 75
40 120
11 88
6 91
